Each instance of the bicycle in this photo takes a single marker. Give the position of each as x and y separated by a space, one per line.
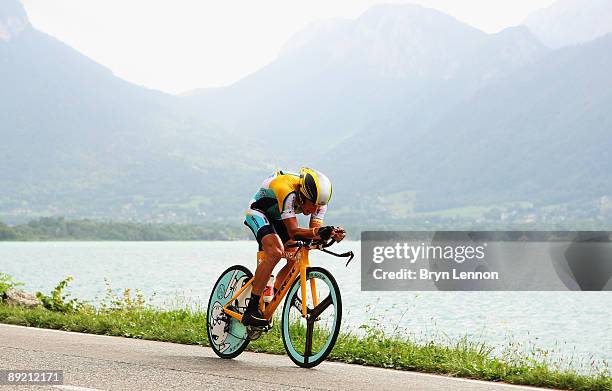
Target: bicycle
309 327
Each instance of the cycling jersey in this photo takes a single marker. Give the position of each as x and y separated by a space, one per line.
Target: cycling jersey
276 200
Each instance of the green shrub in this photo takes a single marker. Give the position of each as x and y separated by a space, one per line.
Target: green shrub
6 283
58 300
124 302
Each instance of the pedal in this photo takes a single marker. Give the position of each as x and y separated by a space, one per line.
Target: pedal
263 329
254 333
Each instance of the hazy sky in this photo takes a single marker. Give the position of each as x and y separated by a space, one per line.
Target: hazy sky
178 45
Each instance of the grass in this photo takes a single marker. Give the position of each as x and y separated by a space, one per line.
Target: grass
128 315
463 359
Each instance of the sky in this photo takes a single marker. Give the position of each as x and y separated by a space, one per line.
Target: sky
179 45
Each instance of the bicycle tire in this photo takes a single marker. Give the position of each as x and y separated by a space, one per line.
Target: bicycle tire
308 359
226 335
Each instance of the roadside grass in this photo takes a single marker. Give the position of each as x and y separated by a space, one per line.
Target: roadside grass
128 315
463 359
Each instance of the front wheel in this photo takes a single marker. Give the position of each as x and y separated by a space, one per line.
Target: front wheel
308 341
227 336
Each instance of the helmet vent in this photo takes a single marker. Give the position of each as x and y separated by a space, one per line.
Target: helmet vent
310 188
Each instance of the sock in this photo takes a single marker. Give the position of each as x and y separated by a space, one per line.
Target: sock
253 305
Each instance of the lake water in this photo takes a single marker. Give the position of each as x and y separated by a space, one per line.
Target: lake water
576 324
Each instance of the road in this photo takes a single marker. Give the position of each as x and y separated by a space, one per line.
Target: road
96 362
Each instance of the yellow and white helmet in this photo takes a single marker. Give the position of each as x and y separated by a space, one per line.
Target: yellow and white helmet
315 186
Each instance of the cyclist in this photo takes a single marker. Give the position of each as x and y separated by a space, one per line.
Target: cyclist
272 219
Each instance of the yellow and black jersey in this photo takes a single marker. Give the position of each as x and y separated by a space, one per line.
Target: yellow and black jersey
277 197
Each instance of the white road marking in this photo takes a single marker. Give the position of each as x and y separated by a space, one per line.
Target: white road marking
75 388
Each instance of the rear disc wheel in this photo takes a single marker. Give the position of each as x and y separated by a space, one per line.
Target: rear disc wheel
226 335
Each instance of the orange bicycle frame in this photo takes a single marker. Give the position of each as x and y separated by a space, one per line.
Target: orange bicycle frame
297 271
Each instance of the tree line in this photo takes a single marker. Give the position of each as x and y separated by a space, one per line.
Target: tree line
58 228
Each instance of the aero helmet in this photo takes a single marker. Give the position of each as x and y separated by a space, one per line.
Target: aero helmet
315 186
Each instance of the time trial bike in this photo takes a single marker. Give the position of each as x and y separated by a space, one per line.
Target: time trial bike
311 316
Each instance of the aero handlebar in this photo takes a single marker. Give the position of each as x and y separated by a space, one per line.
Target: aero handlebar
322 245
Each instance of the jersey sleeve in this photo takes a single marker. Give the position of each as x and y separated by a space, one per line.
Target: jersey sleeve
319 215
287 209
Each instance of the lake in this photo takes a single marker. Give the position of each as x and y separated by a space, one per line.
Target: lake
576 324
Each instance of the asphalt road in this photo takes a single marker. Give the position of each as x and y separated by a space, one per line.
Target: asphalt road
95 362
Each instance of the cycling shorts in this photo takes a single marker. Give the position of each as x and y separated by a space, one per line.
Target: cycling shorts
261 226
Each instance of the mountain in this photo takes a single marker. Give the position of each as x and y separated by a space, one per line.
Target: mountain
337 78
540 133
13 20
545 130
337 75
73 132
405 108
570 22
348 95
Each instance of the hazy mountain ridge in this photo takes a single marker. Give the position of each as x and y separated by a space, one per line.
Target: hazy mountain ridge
404 99
13 19
74 132
387 41
338 77
551 141
570 22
